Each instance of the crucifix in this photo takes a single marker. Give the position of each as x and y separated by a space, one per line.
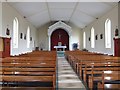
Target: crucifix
59 36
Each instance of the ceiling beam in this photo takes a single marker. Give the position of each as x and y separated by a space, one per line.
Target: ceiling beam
73 10
107 3
48 11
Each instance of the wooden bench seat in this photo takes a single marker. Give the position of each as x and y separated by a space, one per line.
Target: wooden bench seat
27 88
27 73
35 69
10 78
28 69
77 60
29 58
98 68
28 79
81 66
96 76
107 77
27 65
29 61
84 63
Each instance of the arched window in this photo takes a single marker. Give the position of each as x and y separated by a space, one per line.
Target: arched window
15 32
108 33
28 37
92 38
84 40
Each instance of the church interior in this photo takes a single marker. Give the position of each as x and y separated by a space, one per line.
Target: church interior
57 45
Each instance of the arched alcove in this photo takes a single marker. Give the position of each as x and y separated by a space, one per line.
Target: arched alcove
59 37
56 26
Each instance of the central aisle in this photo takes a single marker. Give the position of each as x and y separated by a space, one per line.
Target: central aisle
67 78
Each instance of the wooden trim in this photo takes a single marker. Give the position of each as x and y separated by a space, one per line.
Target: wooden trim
4 49
116 38
0 54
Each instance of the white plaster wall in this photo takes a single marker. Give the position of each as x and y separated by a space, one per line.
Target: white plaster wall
0 18
43 37
99 26
76 36
8 15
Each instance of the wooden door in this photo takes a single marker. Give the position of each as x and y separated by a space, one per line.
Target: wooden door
57 36
6 47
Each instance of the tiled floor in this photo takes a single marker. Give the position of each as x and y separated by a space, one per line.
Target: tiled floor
67 78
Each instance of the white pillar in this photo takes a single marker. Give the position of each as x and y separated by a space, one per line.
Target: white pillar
49 38
70 45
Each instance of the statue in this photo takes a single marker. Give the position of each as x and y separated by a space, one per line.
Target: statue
116 32
59 36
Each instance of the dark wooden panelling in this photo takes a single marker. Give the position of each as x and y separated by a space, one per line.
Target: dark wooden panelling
6 48
0 54
117 47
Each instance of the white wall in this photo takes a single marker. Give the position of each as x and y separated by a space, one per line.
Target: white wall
43 37
8 15
0 18
99 26
76 36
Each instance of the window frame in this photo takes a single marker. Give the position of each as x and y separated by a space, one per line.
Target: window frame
92 37
108 29
15 32
84 39
28 37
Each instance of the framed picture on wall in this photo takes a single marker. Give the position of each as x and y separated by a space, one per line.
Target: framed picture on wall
96 37
30 38
89 38
25 37
21 35
101 36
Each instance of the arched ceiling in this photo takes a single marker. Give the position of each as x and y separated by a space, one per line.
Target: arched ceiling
78 13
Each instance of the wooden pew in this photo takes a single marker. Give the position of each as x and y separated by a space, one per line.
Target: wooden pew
26 79
96 70
107 77
78 61
27 88
47 69
29 68
27 65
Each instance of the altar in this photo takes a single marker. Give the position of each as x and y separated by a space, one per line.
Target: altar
60 48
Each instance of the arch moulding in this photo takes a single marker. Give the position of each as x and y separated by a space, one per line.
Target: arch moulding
56 26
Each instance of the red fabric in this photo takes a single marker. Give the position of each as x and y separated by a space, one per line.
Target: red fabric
59 35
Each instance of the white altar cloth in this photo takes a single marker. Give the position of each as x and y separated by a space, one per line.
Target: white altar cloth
57 47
